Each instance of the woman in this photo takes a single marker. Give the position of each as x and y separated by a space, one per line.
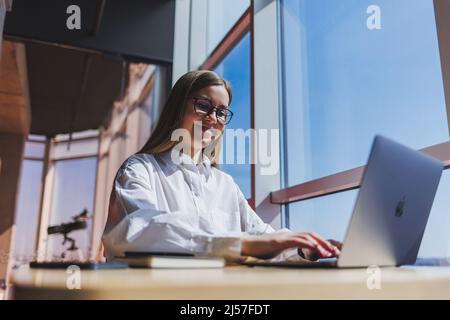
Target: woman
171 197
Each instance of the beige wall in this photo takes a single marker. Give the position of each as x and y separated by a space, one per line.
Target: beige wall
14 126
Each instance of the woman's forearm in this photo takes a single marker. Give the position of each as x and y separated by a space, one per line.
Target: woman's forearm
269 245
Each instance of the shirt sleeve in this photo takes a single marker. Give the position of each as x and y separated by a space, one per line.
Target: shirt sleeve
253 224
137 225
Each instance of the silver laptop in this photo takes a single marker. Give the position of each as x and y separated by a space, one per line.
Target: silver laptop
391 211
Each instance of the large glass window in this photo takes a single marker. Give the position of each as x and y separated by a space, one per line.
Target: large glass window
222 15
235 67
345 82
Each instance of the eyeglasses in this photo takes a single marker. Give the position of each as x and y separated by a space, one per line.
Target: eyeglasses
203 107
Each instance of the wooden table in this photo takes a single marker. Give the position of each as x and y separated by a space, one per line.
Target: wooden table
234 282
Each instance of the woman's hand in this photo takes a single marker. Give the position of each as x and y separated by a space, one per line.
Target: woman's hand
269 245
313 255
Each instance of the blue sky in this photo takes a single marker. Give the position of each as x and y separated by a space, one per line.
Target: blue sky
236 69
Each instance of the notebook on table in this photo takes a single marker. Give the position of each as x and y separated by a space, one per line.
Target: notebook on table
88 265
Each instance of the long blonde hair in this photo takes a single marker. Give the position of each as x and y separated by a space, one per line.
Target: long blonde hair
175 108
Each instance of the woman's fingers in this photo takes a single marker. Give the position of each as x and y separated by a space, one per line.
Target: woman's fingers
327 244
323 250
336 243
324 243
305 240
310 246
315 243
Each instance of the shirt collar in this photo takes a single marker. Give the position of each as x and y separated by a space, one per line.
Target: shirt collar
181 159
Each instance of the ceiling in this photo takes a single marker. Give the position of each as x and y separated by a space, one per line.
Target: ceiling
75 75
71 90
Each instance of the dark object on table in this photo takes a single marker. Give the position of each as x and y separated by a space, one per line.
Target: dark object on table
81 265
79 223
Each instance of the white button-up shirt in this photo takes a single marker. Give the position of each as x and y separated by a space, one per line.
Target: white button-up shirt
168 203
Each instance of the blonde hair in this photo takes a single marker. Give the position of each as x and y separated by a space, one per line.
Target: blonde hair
175 108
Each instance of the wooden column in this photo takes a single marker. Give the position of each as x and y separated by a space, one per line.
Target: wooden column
14 126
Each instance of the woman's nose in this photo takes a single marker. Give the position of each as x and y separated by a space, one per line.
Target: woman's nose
212 117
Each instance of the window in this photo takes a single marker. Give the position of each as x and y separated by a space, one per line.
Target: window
235 67
29 199
27 212
328 215
342 84
222 15
34 150
436 240
74 189
76 148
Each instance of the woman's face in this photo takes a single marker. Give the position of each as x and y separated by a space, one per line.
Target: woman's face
205 125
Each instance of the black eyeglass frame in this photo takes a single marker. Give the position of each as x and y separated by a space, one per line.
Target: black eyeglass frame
213 109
